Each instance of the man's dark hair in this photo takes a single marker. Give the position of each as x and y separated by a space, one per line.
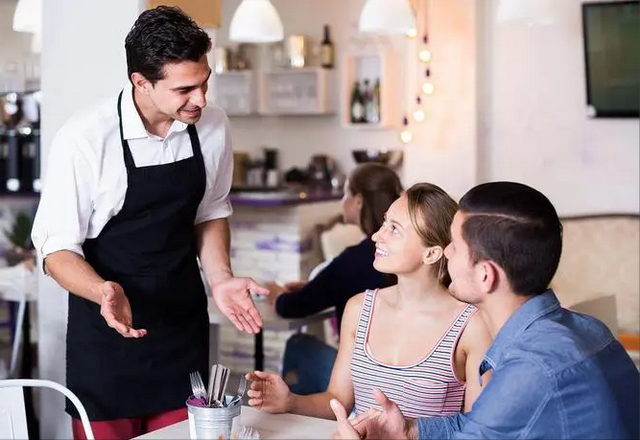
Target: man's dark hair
163 35
516 227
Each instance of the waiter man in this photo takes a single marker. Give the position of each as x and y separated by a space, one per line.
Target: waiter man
137 188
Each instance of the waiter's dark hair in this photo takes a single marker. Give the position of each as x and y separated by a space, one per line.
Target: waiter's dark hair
163 35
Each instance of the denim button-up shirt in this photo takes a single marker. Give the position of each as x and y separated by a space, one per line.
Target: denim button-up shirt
557 374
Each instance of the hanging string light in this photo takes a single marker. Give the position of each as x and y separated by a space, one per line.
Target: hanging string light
405 135
427 85
425 53
418 113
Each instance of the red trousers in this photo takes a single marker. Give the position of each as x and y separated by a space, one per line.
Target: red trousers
121 429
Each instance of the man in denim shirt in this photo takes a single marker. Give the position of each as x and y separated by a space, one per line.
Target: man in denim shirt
555 373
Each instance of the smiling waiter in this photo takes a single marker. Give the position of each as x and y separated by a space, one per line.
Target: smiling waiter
137 188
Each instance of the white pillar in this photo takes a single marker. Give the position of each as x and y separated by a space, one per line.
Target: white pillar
82 61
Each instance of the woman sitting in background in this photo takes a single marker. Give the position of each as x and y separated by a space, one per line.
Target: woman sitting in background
413 340
368 192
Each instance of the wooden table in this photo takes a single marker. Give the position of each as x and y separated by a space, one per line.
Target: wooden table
270 426
270 320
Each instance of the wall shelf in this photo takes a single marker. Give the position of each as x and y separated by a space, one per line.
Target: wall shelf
285 92
303 91
236 92
371 65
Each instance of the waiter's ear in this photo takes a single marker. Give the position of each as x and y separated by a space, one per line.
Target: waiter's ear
140 83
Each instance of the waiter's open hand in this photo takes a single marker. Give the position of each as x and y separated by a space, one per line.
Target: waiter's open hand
116 310
233 298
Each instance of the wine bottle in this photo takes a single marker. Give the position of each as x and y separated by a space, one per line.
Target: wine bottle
375 103
367 96
327 52
357 105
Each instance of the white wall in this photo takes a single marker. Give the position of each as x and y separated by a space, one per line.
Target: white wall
82 61
537 130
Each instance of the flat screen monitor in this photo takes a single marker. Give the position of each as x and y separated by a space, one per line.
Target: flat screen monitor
611 32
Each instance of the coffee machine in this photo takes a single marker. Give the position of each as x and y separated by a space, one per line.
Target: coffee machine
20 141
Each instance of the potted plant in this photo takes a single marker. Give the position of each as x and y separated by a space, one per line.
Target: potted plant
20 238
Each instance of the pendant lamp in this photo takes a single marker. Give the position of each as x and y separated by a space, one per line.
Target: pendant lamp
256 21
387 17
28 16
530 12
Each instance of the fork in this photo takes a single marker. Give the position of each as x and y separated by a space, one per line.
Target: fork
197 385
242 387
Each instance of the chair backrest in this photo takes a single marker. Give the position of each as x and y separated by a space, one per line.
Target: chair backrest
601 256
603 308
333 241
13 420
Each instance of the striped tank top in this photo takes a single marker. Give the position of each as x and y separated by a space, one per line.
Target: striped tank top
426 389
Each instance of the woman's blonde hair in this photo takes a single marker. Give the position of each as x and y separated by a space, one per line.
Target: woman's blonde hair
431 211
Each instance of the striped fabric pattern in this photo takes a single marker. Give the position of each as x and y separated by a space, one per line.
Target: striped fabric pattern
426 389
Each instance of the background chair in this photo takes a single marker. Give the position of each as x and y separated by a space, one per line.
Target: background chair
17 344
13 420
603 308
333 240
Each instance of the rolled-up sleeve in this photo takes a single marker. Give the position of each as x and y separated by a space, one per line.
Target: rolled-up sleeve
65 207
215 202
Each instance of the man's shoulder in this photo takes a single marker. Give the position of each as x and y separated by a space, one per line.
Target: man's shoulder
561 340
93 120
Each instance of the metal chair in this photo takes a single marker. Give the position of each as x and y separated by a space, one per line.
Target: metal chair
13 419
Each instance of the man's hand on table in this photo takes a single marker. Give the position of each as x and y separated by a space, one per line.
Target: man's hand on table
374 424
233 297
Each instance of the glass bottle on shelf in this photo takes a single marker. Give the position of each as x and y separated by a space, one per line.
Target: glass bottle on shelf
367 97
327 50
357 109
375 99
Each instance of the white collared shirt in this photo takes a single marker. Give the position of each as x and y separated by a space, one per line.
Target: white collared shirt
86 180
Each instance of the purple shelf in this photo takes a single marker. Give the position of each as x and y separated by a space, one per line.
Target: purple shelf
284 197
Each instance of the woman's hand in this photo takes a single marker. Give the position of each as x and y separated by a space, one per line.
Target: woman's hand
268 392
292 286
275 290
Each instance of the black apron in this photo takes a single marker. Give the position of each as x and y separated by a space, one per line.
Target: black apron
149 248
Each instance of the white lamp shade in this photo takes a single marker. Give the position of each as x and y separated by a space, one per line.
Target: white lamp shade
256 21
28 16
531 12
387 17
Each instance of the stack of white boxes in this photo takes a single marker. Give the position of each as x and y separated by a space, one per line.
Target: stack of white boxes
274 243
